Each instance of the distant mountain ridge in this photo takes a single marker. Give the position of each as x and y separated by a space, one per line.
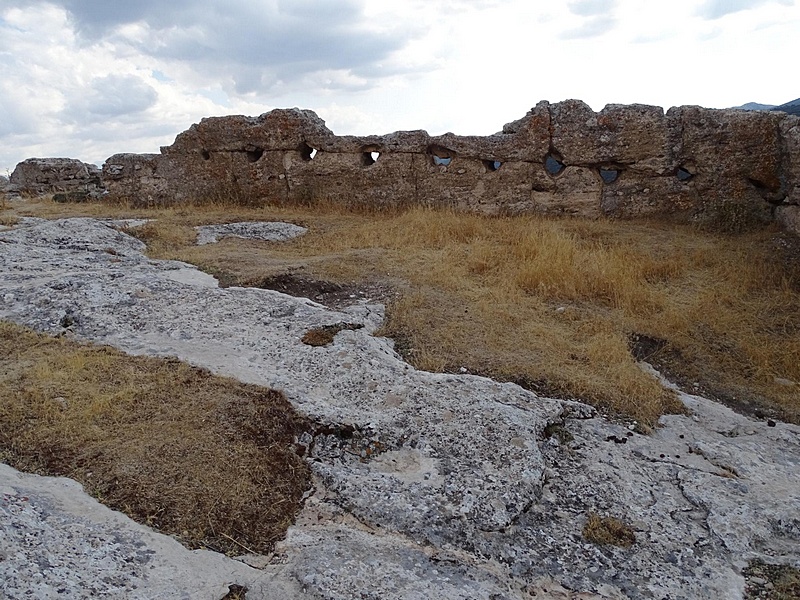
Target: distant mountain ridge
755 106
792 107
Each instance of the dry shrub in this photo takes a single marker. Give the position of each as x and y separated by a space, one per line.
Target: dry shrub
608 531
205 458
163 236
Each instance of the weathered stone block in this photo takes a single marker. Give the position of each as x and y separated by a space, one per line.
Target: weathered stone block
633 136
576 192
47 175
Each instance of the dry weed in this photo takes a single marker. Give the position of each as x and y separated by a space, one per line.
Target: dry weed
608 531
549 303
205 458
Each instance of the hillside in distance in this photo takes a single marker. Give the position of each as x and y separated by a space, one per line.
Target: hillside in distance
792 107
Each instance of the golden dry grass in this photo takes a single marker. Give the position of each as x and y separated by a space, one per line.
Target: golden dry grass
207 459
549 303
608 531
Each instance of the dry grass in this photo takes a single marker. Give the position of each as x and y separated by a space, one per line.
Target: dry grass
608 531
551 304
205 458
771 581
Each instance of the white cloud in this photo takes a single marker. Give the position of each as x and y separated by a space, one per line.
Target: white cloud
715 9
113 96
591 8
88 78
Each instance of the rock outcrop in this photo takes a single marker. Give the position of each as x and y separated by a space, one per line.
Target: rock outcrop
728 167
67 178
444 486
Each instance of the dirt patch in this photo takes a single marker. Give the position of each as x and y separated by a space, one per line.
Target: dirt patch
645 347
322 336
329 294
696 376
205 458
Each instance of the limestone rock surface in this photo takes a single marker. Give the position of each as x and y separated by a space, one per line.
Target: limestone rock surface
269 232
444 486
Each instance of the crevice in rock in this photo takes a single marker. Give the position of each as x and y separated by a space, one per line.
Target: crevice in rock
727 471
235 592
254 155
698 505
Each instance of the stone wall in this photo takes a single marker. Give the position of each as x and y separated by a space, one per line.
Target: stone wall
730 167
65 178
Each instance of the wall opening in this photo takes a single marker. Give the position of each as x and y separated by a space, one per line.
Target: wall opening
369 156
683 174
492 165
608 175
205 154
254 155
553 164
307 152
440 155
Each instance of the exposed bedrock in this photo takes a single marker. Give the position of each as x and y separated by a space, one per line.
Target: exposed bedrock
427 485
728 167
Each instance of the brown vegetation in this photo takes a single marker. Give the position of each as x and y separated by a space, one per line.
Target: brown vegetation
205 458
608 531
560 306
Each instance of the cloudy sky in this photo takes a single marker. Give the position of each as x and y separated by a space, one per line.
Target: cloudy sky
89 78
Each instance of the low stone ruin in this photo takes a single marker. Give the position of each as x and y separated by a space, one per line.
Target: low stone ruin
732 169
68 179
729 167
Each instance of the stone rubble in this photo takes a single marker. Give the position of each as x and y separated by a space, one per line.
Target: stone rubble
447 486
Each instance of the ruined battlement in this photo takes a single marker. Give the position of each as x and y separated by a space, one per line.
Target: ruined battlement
730 166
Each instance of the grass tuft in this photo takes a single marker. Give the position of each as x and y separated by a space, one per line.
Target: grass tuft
608 531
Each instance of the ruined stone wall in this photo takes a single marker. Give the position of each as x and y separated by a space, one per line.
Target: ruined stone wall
727 166
65 178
